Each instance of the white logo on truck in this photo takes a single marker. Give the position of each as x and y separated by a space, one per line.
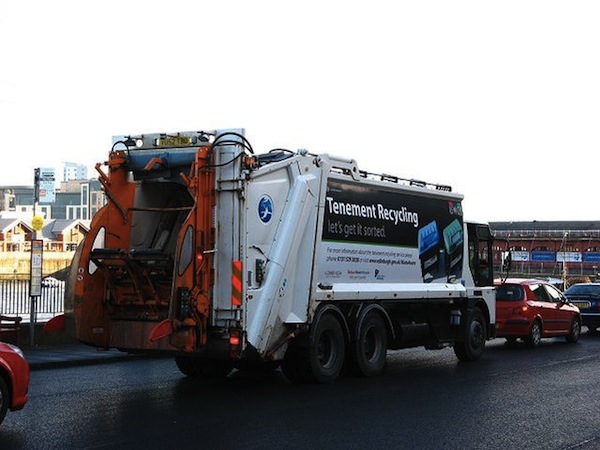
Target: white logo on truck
265 209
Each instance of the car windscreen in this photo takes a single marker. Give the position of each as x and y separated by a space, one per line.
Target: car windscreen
509 292
592 290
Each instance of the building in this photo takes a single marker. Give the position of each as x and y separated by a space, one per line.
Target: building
73 171
66 217
75 199
558 249
64 235
58 235
78 199
15 235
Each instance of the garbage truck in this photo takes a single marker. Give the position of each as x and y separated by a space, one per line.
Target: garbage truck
225 258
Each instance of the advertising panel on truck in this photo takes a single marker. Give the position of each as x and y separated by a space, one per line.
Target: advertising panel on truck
373 235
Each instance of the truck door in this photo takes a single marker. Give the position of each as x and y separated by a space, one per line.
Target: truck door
480 254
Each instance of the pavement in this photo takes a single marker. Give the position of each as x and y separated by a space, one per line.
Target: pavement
71 355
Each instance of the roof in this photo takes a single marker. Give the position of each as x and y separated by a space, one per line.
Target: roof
573 225
59 226
8 224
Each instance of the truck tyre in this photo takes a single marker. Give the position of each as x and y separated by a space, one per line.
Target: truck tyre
185 364
326 349
213 368
258 367
295 362
470 348
193 366
369 351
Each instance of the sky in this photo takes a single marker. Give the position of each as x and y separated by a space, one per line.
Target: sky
500 100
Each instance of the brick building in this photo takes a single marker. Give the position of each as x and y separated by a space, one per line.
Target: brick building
549 249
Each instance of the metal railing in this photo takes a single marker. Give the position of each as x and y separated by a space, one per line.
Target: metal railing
15 300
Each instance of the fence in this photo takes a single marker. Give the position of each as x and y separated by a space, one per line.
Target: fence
15 300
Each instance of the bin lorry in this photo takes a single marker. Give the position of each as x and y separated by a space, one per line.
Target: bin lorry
225 258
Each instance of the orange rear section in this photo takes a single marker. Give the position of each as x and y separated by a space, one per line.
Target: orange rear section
194 268
148 255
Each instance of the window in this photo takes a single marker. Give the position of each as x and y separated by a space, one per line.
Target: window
99 242
555 295
510 292
76 212
85 189
187 250
585 289
540 293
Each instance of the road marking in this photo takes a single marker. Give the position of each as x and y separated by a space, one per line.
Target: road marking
587 441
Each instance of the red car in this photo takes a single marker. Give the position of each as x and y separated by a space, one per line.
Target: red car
14 379
532 310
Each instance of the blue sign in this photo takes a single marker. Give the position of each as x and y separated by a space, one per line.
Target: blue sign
543 256
591 257
44 179
265 209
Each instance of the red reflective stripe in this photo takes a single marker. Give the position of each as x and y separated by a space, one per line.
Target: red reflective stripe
236 283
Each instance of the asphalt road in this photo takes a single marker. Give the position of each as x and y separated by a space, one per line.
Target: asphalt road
514 398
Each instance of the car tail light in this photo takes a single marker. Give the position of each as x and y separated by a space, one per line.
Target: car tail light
520 310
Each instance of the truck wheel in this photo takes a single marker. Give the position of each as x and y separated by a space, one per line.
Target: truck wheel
4 399
326 349
370 349
470 348
213 368
295 363
193 366
185 364
258 367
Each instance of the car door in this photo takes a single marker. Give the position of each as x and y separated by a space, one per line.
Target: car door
562 314
545 308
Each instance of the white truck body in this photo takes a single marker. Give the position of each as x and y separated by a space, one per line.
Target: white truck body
297 240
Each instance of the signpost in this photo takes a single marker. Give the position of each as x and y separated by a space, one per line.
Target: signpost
43 193
35 283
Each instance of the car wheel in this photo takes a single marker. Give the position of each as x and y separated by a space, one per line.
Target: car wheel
575 331
4 399
535 334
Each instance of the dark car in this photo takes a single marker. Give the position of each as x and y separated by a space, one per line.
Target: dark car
534 309
587 297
